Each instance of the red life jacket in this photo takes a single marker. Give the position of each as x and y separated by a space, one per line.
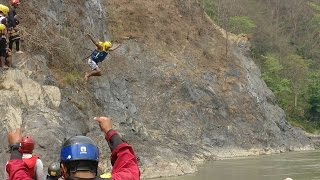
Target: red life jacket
31 163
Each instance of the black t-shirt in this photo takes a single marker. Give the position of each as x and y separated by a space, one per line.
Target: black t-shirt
11 21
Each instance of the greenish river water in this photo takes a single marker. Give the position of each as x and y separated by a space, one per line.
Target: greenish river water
296 165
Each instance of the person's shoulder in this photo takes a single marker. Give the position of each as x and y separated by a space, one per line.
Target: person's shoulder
35 155
26 156
39 160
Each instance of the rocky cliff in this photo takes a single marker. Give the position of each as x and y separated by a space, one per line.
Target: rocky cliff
171 89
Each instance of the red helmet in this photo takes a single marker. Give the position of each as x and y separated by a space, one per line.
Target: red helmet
27 144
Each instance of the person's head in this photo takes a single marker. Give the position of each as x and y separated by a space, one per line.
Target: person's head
27 144
54 170
79 158
15 3
105 45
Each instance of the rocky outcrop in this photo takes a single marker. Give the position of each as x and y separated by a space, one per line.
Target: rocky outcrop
34 107
172 92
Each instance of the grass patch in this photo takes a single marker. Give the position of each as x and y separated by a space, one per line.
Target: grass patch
73 78
310 127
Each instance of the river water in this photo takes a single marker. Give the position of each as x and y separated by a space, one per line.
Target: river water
296 165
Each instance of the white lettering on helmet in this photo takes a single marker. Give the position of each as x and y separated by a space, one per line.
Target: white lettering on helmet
83 150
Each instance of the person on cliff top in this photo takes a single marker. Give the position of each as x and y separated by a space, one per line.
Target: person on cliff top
3 46
4 10
13 14
13 23
79 156
97 56
14 37
5 53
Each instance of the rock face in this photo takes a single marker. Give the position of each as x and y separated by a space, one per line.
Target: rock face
172 91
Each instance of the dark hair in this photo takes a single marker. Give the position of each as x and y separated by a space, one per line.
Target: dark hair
81 165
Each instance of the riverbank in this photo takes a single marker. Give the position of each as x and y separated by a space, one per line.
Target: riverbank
315 138
296 165
177 168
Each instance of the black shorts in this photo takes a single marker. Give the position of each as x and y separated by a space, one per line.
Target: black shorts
3 47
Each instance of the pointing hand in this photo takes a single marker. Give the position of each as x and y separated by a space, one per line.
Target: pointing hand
105 123
14 137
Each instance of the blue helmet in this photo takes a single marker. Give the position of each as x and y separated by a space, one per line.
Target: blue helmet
79 148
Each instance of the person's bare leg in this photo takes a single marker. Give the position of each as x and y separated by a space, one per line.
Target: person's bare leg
9 61
96 72
3 62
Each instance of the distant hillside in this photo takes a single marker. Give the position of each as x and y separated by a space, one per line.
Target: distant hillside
285 45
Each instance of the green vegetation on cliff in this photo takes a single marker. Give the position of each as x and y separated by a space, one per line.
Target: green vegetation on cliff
286 46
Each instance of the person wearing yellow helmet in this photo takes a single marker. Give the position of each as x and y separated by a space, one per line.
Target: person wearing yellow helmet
97 56
4 9
3 14
5 53
3 46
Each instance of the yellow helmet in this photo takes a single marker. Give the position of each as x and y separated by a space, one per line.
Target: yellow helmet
4 9
2 27
105 45
106 176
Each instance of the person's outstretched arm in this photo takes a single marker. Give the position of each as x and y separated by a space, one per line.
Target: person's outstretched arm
123 158
95 42
16 168
115 47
